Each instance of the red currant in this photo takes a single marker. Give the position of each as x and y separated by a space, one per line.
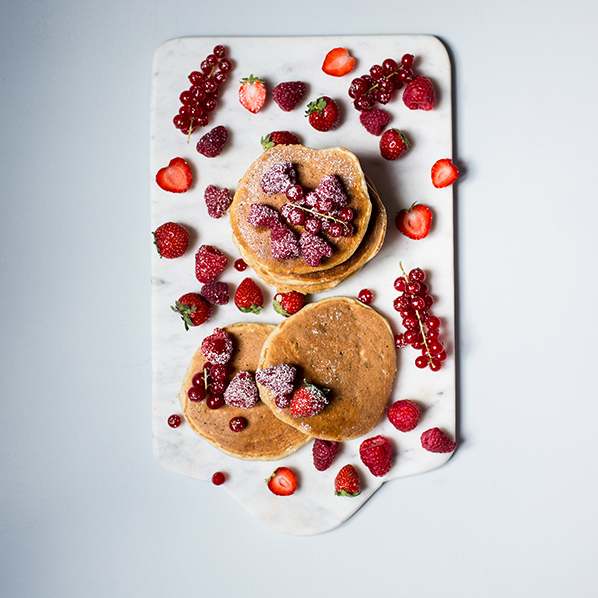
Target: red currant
407 60
174 421
215 401
240 265
366 296
400 341
421 361
196 393
218 478
237 424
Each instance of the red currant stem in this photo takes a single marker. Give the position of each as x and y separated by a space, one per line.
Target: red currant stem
190 130
385 77
316 213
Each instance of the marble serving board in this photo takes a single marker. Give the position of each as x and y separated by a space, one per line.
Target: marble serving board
313 508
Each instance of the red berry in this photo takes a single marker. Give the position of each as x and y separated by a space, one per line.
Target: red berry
366 296
210 262
252 94
309 400
374 120
288 304
279 378
213 142
288 94
237 424
444 173
242 391
215 401
393 144
338 62
346 482
283 482
171 240
193 309
279 138
177 177
437 441
323 114
249 297
324 452
217 201
215 292
419 94
174 421
240 265
218 478
414 222
376 455
217 348
404 415
197 392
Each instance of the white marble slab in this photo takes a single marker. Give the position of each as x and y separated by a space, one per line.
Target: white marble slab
313 508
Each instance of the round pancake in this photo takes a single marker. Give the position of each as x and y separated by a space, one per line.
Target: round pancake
311 165
266 437
324 280
340 344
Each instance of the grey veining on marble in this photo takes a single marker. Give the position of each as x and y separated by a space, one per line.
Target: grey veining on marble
313 508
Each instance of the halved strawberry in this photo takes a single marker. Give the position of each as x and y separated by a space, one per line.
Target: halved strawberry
415 221
177 177
338 62
252 94
283 482
444 173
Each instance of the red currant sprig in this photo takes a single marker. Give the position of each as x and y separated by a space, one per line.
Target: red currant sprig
422 329
209 384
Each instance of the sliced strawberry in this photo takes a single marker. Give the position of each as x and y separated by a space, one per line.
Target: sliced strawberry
338 62
444 173
177 177
414 222
283 482
252 94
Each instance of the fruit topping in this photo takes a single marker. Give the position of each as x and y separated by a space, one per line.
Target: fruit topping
288 304
177 177
280 379
283 482
236 424
414 222
218 347
346 482
338 62
218 478
215 401
210 262
366 296
313 249
444 173
393 144
279 138
241 391
213 142
419 94
174 421
279 178
376 455
374 120
252 94
288 94
249 297
309 400
283 243
171 240
437 441
404 415
323 114
263 216
324 452
193 309
215 292
217 201
330 188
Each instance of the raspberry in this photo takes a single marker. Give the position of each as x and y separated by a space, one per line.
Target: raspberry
210 262
374 120
263 216
279 378
215 292
217 201
314 248
419 94
288 94
436 441
330 188
218 347
376 455
212 143
284 244
242 391
324 452
279 178
404 415
283 401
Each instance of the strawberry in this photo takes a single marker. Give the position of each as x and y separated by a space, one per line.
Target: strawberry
346 482
252 94
323 114
393 144
171 240
419 94
376 455
323 453
288 94
213 142
309 400
249 297
338 62
414 222
279 138
374 120
217 201
210 262
283 482
177 177
287 304
404 415
444 173
436 441
193 309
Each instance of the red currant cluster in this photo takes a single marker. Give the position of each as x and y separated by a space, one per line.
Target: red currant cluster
317 213
209 384
422 329
200 99
382 81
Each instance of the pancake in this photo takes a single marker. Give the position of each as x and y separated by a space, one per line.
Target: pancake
266 437
310 165
340 344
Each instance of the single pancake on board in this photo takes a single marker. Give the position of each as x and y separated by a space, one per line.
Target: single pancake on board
265 437
340 344
310 165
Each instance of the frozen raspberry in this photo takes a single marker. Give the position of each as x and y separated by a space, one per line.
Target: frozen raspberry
374 120
210 262
324 452
218 347
311 199
376 455
284 244
217 201
242 391
279 178
280 378
313 249
419 94
283 401
288 94
330 188
263 216
404 415
436 441
212 143
215 292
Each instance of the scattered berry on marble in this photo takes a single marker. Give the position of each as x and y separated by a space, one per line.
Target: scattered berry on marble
218 478
193 309
366 296
324 453
414 222
283 482
419 94
444 173
323 114
252 94
177 177
242 391
217 348
279 138
174 421
240 265
309 400
435 440
288 94
213 142
289 303
393 144
210 262
237 424
374 120
215 292
346 482
171 240
249 297
404 415
338 62
217 201
376 454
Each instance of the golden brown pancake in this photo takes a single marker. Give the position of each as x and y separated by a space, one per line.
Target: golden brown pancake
266 437
311 165
340 344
